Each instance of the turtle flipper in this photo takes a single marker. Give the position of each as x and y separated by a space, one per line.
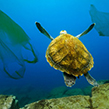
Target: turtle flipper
86 31
90 79
69 79
42 30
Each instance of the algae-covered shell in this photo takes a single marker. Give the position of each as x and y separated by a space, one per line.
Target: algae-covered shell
68 54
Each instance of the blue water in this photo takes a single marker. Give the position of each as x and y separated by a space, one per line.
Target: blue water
56 15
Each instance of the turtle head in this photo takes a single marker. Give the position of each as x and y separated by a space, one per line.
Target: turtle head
63 32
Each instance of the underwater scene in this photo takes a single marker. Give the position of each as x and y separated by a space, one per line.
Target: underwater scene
53 48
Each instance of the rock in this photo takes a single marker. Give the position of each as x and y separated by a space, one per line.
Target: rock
25 94
73 102
75 91
100 82
64 92
57 92
99 100
100 97
87 90
8 102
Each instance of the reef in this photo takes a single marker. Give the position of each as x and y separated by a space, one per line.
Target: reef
8 102
63 91
98 99
24 94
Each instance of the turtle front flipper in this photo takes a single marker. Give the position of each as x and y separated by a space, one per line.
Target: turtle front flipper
69 79
90 79
42 30
86 31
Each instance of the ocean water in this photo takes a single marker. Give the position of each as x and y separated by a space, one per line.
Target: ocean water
56 15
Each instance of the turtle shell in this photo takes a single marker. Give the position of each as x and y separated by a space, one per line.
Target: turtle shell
68 54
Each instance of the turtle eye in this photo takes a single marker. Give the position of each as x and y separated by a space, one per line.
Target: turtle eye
63 32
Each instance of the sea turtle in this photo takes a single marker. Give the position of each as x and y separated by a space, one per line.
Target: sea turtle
68 54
